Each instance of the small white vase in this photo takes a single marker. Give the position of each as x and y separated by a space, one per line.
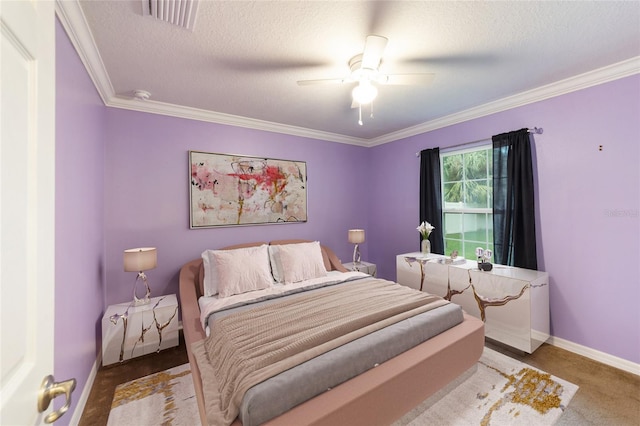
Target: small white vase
425 247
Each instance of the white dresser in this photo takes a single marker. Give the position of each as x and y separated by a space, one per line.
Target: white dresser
513 302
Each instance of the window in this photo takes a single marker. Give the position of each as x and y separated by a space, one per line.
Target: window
467 199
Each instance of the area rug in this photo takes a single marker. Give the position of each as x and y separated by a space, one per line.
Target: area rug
165 398
497 391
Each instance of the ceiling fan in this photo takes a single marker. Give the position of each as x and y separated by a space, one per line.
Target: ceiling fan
365 70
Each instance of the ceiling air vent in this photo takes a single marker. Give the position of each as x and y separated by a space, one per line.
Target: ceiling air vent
177 12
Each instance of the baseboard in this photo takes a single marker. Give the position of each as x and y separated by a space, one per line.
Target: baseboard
84 396
596 355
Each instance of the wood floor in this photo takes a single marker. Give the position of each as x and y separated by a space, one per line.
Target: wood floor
607 396
96 411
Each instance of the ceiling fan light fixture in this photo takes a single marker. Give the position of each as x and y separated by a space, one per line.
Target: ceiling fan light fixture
364 93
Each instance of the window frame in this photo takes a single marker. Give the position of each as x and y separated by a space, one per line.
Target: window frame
462 211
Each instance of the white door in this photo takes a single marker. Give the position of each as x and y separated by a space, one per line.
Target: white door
27 160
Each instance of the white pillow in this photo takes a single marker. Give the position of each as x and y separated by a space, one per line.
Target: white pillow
211 279
302 261
241 270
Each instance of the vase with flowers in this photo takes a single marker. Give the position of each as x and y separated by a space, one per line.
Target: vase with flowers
425 229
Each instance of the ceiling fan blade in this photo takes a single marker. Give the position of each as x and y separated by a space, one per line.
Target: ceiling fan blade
373 50
468 59
323 81
407 79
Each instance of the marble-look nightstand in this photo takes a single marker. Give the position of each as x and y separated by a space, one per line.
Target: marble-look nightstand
129 331
366 267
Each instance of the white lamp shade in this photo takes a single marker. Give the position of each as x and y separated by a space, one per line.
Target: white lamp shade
364 93
356 236
140 259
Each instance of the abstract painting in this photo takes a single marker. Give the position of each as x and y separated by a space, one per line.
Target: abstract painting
231 190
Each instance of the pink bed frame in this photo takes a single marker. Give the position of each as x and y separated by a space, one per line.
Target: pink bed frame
378 396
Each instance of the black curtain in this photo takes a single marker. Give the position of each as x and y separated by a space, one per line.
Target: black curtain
514 231
431 196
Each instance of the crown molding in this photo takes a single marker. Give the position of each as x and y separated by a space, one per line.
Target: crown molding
75 24
155 107
572 84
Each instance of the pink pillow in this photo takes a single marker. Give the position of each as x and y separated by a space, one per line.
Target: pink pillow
301 261
242 270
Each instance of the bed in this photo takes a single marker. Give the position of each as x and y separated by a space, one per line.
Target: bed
377 395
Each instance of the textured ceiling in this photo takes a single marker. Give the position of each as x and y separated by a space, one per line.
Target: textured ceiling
242 59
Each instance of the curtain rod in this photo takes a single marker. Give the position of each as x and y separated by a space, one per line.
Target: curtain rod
535 130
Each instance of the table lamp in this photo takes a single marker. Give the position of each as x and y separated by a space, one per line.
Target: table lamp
140 260
356 236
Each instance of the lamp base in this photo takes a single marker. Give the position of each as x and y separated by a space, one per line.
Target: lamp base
356 255
136 301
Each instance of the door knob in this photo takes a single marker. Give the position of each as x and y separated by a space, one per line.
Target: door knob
49 389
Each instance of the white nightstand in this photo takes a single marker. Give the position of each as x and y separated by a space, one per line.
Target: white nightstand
366 267
129 331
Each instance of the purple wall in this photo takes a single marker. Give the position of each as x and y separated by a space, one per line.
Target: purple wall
588 204
79 245
147 198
